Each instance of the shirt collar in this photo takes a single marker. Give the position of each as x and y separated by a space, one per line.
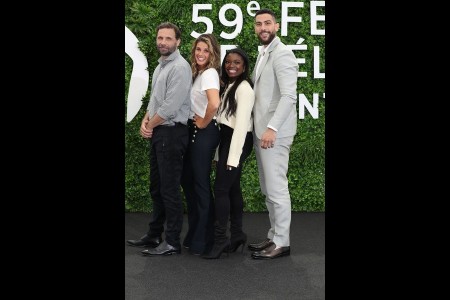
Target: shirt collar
264 49
170 57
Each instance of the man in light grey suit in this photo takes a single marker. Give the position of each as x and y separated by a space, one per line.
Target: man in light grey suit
275 124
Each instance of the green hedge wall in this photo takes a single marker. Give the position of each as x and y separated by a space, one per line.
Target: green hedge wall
307 160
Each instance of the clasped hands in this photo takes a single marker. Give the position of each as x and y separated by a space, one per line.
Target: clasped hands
146 132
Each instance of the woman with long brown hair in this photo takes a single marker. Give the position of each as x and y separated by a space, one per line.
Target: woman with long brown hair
203 141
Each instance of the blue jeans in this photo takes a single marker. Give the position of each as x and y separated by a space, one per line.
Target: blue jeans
196 183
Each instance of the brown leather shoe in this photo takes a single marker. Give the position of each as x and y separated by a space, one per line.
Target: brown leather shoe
273 253
261 245
268 249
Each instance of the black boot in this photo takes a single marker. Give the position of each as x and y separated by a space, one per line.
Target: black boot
237 239
221 242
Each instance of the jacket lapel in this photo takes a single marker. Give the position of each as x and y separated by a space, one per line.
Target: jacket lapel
275 42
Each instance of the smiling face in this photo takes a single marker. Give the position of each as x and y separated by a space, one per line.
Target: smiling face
234 65
265 28
201 55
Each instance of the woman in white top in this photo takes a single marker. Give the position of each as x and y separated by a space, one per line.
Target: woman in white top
236 144
203 141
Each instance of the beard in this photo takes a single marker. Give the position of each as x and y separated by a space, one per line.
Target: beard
269 40
166 51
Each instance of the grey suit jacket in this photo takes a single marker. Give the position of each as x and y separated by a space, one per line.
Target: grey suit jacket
275 88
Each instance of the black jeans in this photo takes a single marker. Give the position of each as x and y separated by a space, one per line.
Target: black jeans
196 183
227 188
168 146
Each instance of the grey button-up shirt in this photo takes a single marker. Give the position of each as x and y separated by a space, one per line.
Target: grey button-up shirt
171 90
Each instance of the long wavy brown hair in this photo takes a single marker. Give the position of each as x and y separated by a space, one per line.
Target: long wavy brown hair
214 54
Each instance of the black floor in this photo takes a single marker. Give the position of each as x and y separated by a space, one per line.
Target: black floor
298 276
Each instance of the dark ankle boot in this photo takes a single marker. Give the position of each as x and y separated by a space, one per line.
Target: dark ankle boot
237 240
221 242
218 249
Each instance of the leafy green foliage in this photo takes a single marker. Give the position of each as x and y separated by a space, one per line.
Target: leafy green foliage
306 172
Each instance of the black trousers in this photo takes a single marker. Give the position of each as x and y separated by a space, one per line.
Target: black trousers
196 183
227 188
168 146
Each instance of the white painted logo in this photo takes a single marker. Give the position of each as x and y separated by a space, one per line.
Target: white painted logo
139 75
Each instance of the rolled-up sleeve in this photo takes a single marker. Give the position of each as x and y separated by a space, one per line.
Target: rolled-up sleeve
178 86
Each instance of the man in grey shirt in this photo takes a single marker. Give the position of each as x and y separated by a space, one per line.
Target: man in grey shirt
165 125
